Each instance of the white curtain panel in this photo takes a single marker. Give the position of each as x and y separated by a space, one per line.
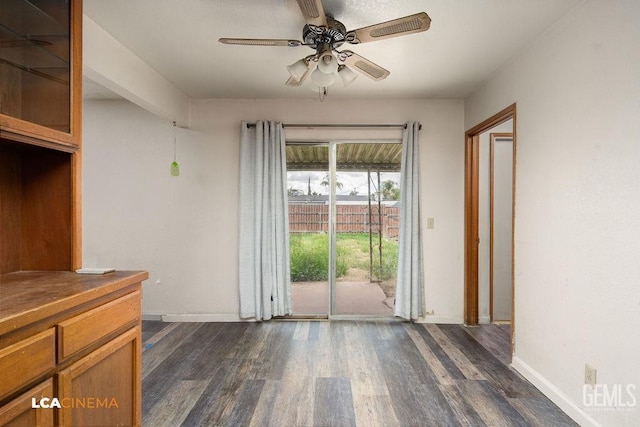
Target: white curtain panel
410 286
264 276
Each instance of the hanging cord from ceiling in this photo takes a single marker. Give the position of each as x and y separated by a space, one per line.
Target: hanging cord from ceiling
175 169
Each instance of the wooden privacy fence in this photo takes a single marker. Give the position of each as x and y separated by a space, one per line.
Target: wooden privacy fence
313 218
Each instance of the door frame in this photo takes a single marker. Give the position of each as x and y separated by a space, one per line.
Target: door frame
333 148
471 203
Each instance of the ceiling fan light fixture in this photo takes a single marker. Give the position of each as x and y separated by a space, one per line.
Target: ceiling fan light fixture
327 63
295 81
298 69
347 75
322 79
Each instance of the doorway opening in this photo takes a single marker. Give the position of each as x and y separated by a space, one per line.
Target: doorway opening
490 153
343 222
500 191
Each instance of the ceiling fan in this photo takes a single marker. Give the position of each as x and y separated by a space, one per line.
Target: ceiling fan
325 35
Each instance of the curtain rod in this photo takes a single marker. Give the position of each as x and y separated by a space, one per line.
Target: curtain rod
338 125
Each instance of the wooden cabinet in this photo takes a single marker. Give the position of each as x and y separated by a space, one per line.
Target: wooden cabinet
75 338
20 413
40 71
65 338
40 133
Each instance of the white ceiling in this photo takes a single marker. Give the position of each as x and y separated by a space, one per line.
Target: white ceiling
468 41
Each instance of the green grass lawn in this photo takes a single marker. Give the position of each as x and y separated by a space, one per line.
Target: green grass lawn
309 255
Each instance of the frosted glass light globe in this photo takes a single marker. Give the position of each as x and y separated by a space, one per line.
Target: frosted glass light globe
347 75
322 79
328 63
297 69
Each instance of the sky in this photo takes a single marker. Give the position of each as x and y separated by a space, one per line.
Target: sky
350 181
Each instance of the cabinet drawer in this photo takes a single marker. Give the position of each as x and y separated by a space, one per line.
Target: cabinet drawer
19 412
26 360
87 328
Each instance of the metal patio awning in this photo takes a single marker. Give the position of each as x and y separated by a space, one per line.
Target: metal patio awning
350 157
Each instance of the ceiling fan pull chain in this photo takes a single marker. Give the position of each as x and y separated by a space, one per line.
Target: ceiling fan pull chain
322 93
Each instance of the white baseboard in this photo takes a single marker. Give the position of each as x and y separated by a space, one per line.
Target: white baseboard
206 317
429 318
484 320
203 317
553 393
147 316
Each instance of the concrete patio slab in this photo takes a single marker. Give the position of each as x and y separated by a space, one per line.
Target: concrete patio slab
352 298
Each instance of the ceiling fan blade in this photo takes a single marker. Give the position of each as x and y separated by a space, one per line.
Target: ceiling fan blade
261 42
394 28
363 65
313 12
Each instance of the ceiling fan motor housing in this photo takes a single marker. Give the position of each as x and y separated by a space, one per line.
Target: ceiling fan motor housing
333 34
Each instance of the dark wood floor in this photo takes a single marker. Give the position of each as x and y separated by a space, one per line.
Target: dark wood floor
338 373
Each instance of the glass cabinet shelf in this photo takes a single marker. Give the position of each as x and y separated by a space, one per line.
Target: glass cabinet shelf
35 62
32 17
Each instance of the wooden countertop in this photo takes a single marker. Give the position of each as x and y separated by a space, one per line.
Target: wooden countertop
29 296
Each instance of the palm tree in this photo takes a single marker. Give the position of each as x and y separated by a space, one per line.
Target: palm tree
325 182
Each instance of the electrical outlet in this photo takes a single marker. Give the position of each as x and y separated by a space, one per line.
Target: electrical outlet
430 223
589 374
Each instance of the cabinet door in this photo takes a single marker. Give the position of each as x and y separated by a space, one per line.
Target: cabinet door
104 387
39 68
21 413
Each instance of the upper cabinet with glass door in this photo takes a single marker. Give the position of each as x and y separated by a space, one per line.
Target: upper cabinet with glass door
40 70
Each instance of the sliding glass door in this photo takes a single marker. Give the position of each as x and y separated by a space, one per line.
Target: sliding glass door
343 222
308 194
365 227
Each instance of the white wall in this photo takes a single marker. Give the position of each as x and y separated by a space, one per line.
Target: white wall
184 230
577 274
137 216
